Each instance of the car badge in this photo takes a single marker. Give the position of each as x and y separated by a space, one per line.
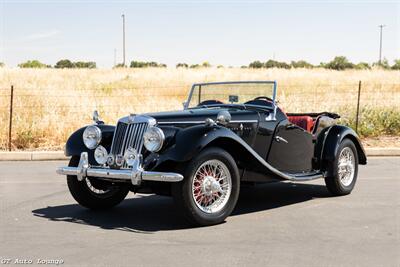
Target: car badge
131 118
119 160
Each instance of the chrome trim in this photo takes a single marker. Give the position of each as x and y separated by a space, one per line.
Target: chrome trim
279 139
160 133
136 174
138 119
99 134
200 122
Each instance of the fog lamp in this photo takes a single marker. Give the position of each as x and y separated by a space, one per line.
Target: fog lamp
100 155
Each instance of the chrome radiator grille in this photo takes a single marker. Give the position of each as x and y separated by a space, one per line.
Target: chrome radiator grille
128 135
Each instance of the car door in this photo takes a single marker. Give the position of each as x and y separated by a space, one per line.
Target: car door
291 148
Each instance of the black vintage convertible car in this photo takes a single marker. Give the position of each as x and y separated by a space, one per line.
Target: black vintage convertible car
228 134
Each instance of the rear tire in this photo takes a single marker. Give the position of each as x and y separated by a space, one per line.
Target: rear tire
346 169
210 190
93 193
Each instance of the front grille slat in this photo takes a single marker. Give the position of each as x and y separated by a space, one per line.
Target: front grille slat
128 135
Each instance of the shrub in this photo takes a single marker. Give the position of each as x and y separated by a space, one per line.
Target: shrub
143 64
33 64
84 65
182 65
64 64
1 64
276 64
396 65
256 65
194 66
339 63
384 64
362 66
301 64
206 64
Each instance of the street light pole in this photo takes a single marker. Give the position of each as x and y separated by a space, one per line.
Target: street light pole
380 43
123 40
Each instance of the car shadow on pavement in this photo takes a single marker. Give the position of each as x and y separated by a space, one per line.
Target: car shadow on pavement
152 213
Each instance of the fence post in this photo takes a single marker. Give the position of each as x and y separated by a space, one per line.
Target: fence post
358 105
11 118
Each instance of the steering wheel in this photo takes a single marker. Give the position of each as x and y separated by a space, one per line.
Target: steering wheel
264 98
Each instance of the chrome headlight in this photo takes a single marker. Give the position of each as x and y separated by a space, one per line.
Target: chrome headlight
91 136
100 155
153 139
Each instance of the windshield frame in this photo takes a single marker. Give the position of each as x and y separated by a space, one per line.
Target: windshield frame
186 104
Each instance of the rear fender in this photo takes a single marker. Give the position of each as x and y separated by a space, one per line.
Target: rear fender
331 139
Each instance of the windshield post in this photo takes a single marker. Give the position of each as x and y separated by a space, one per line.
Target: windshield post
274 101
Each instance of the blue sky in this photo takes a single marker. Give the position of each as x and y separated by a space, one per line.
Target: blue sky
221 32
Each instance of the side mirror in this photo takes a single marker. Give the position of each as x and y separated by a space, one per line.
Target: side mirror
224 117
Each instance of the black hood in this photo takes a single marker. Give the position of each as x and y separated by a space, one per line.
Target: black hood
200 114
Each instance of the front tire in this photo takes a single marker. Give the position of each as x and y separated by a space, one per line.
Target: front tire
346 169
95 194
210 190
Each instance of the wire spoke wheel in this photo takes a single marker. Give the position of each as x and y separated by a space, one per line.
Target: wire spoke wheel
211 186
346 166
92 188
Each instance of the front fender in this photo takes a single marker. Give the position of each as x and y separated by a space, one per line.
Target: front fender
75 145
190 141
334 136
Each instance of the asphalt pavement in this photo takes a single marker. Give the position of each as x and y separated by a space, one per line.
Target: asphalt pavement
285 224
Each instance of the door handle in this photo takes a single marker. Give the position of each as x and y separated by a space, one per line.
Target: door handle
279 139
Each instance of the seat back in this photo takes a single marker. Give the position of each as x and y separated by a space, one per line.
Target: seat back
305 122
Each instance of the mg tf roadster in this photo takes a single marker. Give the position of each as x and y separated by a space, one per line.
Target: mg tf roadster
228 134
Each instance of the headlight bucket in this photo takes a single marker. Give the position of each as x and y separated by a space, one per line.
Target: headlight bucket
153 139
101 155
91 136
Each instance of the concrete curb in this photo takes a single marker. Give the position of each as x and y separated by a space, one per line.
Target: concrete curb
59 155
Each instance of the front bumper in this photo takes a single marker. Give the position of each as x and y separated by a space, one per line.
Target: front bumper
136 174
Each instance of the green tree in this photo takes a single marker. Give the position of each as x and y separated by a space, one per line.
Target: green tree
84 65
396 65
362 66
339 63
1 64
142 64
276 64
33 64
301 64
256 65
194 66
182 65
206 64
64 64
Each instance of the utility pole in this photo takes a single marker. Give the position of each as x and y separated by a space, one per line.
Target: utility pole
380 44
123 39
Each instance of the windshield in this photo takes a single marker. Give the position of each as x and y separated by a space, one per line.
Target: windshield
209 94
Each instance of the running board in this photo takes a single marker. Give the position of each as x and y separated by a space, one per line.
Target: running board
303 176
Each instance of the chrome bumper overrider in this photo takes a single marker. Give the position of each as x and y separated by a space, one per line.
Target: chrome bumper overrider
136 174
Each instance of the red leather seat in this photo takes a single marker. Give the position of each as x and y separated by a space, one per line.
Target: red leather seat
305 122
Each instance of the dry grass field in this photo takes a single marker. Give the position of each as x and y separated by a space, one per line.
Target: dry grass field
51 103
